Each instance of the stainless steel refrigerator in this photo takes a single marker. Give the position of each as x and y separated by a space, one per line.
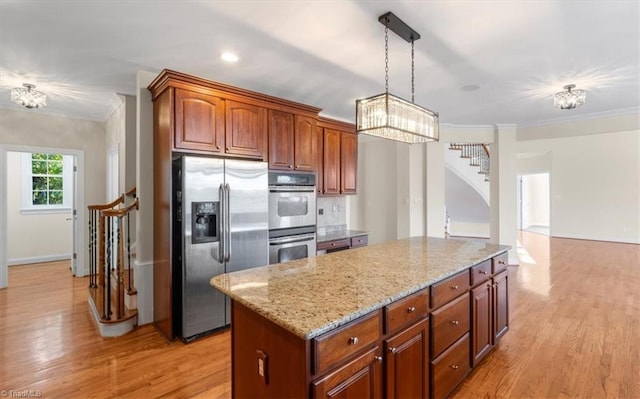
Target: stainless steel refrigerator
221 219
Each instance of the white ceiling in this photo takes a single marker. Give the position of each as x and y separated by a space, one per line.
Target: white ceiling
328 53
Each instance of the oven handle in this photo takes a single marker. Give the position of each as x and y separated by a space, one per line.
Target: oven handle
292 239
292 189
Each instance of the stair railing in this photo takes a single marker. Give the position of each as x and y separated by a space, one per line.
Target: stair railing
477 153
107 251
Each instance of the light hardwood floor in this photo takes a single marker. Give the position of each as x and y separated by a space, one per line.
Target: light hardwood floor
575 332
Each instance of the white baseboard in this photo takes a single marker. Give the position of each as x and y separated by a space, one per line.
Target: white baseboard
38 259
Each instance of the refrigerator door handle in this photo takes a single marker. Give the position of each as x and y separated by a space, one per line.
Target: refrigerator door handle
227 226
220 256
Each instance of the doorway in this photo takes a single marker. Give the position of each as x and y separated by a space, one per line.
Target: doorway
534 211
59 229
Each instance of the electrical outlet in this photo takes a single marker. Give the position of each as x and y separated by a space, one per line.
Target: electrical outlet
321 211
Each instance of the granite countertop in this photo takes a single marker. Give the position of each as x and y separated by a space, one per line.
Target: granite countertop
311 296
339 235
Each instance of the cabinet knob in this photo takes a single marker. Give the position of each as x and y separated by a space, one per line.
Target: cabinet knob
455 322
290 166
333 244
482 272
353 340
501 262
392 349
454 287
217 147
454 366
226 149
411 309
378 359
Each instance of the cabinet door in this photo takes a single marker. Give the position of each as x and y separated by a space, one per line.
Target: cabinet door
481 325
360 378
320 160
304 143
199 123
500 305
407 363
331 172
280 140
246 133
348 163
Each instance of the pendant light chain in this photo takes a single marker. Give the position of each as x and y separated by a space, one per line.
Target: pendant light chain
412 74
386 58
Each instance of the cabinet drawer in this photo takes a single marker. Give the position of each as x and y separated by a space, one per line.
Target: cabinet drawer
340 344
448 289
449 323
334 244
500 263
406 311
359 241
480 272
450 368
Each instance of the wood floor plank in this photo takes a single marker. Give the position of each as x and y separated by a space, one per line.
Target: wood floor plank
575 333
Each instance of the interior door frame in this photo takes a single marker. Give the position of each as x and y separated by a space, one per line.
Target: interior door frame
79 193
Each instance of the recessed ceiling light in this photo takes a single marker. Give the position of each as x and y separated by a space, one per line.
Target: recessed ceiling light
229 57
470 87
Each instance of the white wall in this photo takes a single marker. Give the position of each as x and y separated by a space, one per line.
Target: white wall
595 183
28 128
51 231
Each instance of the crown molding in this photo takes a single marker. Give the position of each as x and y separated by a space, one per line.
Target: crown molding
587 117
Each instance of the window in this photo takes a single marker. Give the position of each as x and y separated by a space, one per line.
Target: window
46 182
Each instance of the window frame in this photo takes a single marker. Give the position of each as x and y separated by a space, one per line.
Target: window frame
26 170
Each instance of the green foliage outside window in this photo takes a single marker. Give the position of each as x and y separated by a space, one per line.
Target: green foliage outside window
46 172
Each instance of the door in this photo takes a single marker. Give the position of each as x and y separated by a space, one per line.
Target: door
482 338
331 172
348 162
360 378
305 157
246 131
203 308
501 305
407 362
199 123
280 140
74 218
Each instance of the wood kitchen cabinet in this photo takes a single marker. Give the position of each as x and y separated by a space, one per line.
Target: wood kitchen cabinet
319 160
292 142
246 130
331 162
338 164
500 305
407 363
199 122
360 378
348 163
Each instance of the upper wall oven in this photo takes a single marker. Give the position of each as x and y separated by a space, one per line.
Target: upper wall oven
292 200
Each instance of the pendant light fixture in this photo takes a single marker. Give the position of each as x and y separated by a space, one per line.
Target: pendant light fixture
28 96
569 98
391 117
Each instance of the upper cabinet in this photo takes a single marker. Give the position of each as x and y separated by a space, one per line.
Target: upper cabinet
199 121
292 144
339 167
246 133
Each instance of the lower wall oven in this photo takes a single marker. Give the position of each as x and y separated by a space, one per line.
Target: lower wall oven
291 244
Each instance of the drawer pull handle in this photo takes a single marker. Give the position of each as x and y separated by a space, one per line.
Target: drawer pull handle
483 272
454 287
501 262
392 349
411 309
353 341
333 244
378 359
455 367
455 322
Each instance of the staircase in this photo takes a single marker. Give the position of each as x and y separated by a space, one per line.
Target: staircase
477 153
112 295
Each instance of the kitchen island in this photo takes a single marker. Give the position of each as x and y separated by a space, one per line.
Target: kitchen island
402 318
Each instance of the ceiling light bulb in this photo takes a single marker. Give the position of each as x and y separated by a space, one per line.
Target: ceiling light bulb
229 57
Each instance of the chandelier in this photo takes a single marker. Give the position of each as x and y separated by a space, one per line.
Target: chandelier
569 98
391 117
28 96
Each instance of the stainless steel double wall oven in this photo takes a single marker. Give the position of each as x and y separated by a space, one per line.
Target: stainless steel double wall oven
292 216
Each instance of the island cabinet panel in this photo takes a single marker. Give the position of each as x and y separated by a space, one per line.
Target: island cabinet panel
360 378
246 130
407 363
199 121
450 368
280 140
449 323
482 326
348 163
267 360
343 343
406 311
501 304
331 163
304 144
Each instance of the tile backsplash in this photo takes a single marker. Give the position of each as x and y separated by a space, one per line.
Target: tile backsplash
332 213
